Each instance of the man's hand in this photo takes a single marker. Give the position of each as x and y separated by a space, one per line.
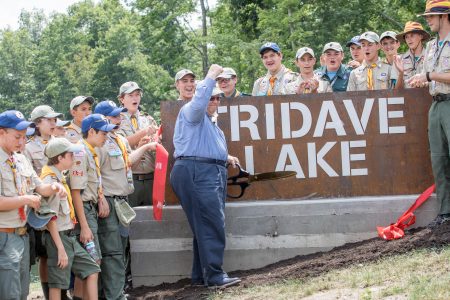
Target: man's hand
86 235
232 160
398 63
418 80
145 140
103 208
59 188
33 201
214 71
353 64
63 260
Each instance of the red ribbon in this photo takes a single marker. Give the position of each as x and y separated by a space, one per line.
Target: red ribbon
159 183
397 230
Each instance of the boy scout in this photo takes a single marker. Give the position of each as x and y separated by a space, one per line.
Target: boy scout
333 76
372 74
274 82
389 46
80 107
116 159
437 73
60 129
138 130
185 84
306 82
227 81
85 179
44 117
411 62
355 51
65 254
18 181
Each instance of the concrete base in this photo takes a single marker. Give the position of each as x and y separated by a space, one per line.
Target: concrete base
262 233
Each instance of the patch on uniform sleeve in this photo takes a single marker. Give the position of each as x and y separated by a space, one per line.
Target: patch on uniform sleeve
79 154
78 173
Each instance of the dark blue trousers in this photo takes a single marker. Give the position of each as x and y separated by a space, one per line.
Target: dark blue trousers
201 189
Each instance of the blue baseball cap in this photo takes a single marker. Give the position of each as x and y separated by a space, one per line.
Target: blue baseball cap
269 46
354 40
14 119
38 219
109 108
97 121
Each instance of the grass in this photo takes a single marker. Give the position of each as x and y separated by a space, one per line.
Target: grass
417 275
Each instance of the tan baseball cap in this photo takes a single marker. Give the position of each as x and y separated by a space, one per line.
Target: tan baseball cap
227 73
56 146
390 34
303 51
44 111
128 87
216 91
369 36
332 46
183 73
80 99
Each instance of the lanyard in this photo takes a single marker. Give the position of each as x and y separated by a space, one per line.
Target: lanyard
18 183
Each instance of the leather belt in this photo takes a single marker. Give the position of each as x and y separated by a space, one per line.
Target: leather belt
441 97
69 232
142 177
18 230
219 162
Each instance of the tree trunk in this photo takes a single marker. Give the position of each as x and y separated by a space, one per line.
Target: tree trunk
204 45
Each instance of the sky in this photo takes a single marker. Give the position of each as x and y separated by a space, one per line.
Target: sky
10 9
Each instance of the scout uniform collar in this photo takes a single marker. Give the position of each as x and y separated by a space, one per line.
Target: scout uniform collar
235 93
4 156
279 74
75 127
378 63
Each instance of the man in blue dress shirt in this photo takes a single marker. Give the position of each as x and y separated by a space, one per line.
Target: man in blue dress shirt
199 179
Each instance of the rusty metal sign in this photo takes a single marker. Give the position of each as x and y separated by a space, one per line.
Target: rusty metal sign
340 144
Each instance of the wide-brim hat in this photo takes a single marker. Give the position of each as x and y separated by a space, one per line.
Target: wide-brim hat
436 7
413 27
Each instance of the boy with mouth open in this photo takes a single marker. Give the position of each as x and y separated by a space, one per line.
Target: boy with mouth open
373 74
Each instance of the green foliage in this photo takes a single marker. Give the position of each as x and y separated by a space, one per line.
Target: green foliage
93 48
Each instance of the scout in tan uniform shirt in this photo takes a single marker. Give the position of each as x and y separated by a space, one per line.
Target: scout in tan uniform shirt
306 82
80 107
138 130
274 82
17 183
45 119
437 74
185 84
116 159
65 254
411 62
372 74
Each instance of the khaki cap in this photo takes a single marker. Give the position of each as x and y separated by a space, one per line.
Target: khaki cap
56 146
369 36
227 73
80 99
332 46
44 111
303 51
128 88
183 73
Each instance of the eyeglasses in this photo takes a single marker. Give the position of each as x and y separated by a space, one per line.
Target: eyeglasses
215 98
220 80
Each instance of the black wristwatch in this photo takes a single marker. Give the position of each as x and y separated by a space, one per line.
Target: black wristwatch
427 74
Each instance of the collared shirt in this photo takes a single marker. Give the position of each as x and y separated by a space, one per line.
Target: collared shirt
117 179
73 133
28 181
411 66
34 152
147 162
437 59
59 204
382 75
195 132
83 174
283 77
337 84
235 93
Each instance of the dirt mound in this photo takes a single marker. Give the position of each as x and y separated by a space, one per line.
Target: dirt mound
305 266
